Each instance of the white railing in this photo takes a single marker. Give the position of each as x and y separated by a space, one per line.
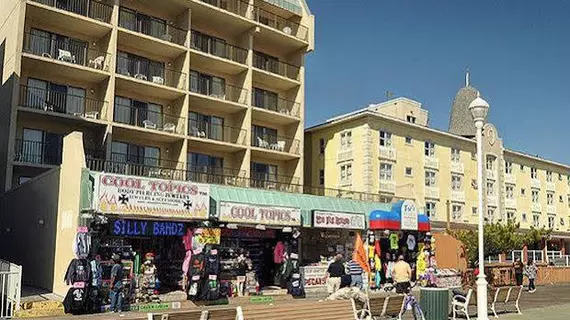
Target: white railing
535 183
457 167
511 203
550 186
516 254
10 289
387 153
431 192
387 186
458 196
536 255
551 255
431 162
510 178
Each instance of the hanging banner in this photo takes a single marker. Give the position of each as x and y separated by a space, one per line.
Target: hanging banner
265 215
209 236
409 216
337 220
144 228
140 196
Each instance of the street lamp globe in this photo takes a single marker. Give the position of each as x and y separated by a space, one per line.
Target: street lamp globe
479 108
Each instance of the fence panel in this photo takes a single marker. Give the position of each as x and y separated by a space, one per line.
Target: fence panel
10 289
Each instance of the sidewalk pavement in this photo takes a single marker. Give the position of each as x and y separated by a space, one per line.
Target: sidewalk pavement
558 312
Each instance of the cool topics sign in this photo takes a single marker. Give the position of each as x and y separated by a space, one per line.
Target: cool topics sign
265 215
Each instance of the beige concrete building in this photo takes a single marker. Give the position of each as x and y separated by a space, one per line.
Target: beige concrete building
388 151
204 90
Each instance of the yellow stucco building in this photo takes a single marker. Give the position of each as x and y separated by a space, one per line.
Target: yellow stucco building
388 151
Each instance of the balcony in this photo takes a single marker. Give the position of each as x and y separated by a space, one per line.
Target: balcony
551 209
344 155
216 175
492 200
275 147
550 186
225 137
536 207
138 75
61 103
280 29
387 186
222 97
217 54
263 180
431 162
275 110
457 167
139 166
510 178
89 17
387 153
457 196
27 152
150 34
277 74
148 119
535 183
432 192
341 193
511 203
490 174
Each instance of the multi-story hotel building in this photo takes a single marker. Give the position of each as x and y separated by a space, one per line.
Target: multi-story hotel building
210 90
388 151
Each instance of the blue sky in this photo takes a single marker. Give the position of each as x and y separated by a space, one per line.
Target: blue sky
518 53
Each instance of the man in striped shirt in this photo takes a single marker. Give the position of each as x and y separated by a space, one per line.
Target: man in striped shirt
355 271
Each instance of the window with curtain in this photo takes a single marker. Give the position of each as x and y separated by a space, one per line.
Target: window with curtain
123 111
75 101
207 126
32 145
264 172
207 84
44 42
55 97
143 23
209 44
36 95
40 42
265 62
262 135
135 66
130 153
265 99
134 112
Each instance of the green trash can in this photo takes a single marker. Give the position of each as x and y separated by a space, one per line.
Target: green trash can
435 303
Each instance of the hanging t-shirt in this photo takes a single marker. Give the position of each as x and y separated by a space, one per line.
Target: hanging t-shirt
389 268
421 264
394 241
411 242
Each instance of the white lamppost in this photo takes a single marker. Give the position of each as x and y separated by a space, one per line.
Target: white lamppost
479 109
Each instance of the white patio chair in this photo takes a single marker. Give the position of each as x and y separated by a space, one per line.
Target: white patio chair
281 145
64 55
149 124
169 127
141 76
91 114
97 63
158 80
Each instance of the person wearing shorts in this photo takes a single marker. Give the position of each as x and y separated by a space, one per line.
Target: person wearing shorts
402 274
334 273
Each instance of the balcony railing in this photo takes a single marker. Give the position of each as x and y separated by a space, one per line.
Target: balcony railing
89 8
217 48
277 143
281 24
66 51
218 132
388 153
156 28
140 70
280 105
121 163
277 67
60 102
431 162
148 119
36 152
216 175
340 193
264 180
387 186
234 6
219 91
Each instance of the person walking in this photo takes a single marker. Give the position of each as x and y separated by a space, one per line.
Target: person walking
402 274
334 272
355 271
518 267
531 270
116 286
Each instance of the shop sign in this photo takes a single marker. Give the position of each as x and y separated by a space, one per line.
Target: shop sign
262 299
251 214
314 276
210 236
141 228
409 216
129 195
248 233
337 220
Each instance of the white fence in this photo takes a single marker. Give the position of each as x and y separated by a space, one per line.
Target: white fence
10 288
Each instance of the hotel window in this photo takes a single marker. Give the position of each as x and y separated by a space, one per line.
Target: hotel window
536 220
490 188
523 217
551 222
408 140
321 177
208 85
562 223
509 191
143 23
346 174
122 152
44 43
568 201
560 177
385 139
560 199
429 149
523 192
490 214
430 179
210 127
411 119
205 168
139 67
262 172
265 99
135 113
55 97
474 211
431 209
508 167
533 173
549 198
510 215
455 155
346 140
409 171
535 196
548 176
457 211
386 171
490 162
456 183
321 146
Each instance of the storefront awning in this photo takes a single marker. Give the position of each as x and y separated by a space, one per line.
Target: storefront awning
392 220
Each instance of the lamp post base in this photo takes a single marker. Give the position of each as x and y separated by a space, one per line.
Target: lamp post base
482 311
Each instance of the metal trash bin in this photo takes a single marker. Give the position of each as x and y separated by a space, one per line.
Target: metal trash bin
435 303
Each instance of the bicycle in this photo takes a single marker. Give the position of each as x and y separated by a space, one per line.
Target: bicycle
411 303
